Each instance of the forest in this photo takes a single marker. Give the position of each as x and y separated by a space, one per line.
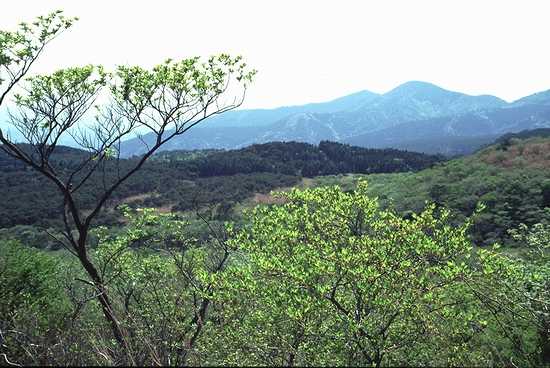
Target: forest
275 254
511 180
188 179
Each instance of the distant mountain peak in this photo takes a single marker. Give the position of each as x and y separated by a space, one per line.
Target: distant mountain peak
432 101
417 88
415 84
415 115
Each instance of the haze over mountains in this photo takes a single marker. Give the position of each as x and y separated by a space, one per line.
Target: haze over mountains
416 116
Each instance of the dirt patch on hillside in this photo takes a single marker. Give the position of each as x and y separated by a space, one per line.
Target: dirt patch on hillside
260 198
307 182
523 154
165 209
137 197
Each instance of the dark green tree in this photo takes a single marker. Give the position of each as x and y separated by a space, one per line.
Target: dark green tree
546 193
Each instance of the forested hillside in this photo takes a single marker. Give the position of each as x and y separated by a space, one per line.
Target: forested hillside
511 178
184 180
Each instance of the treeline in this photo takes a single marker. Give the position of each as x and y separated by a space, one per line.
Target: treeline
524 134
302 159
184 180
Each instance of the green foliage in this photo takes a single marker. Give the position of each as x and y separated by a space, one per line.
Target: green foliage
183 181
512 195
325 278
329 278
188 77
170 91
61 84
170 98
536 280
18 47
27 278
161 280
546 193
54 103
33 305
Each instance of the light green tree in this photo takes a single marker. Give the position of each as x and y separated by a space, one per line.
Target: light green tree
535 285
329 278
164 101
163 281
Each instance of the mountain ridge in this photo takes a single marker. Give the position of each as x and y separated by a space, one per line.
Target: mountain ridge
415 115
339 120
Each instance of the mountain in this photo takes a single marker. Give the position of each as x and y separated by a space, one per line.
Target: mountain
540 98
458 134
338 120
6 127
415 116
420 100
262 117
240 128
412 101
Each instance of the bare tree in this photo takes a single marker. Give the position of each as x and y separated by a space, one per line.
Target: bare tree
165 102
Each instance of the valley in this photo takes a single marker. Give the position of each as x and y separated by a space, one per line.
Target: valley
510 177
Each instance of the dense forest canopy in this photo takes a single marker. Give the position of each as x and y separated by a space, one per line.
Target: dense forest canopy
184 180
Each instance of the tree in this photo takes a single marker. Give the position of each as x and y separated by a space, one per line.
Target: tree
546 193
32 305
330 279
20 49
165 101
437 193
164 280
535 284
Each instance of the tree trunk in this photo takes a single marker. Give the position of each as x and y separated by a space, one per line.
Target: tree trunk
106 304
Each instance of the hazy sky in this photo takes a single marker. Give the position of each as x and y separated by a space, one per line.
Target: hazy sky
309 51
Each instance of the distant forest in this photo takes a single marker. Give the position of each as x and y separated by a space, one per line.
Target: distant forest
185 180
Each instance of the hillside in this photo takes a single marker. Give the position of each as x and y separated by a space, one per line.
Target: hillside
511 177
477 128
183 180
416 116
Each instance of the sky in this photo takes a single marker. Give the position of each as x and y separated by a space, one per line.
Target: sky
312 51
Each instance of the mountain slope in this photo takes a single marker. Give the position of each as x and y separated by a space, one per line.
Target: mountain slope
262 117
412 101
540 98
415 115
472 128
511 177
239 128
